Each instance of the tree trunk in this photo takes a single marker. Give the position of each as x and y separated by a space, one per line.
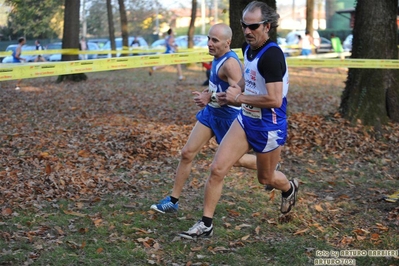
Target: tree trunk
191 28
124 28
111 28
309 16
236 8
372 95
70 38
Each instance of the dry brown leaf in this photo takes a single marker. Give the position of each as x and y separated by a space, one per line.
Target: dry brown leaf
360 238
99 250
98 222
83 230
319 208
257 230
382 227
219 249
233 213
199 248
374 236
84 153
311 171
301 232
74 213
245 237
48 169
6 211
272 195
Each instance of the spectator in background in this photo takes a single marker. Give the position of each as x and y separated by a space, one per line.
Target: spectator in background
208 67
39 47
306 44
337 45
83 47
16 55
171 48
135 44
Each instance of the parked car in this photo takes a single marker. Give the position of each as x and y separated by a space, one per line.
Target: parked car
181 42
100 41
202 44
118 44
91 45
347 44
160 44
28 58
292 39
11 48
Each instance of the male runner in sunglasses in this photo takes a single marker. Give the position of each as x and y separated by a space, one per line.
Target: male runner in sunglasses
262 121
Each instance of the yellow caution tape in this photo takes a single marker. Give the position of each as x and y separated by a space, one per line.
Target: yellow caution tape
131 50
42 69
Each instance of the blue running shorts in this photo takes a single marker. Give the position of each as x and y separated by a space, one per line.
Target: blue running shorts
265 141
218 124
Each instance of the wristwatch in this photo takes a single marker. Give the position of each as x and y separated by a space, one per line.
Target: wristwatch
214 97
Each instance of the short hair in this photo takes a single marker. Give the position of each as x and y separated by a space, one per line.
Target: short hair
269 15
169 31
38 41
21 39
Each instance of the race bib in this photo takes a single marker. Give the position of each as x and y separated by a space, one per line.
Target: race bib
213 88
251 111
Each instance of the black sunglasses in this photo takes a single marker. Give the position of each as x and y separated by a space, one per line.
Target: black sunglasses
253 26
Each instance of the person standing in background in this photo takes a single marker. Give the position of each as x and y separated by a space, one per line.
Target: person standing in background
171 48
83 47
16 55
39 47
306 44
337 45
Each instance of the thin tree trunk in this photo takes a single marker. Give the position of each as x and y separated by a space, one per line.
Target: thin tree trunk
70 38
124 28
111 28
309 16
191 28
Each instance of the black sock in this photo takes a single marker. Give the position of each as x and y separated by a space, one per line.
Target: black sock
287 193
207 221
173 200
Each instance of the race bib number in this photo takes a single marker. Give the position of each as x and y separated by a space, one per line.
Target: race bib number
213 88
251 111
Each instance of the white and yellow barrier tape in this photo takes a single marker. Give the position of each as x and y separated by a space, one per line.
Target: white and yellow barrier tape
42 69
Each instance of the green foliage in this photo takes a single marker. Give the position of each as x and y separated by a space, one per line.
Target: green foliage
35 18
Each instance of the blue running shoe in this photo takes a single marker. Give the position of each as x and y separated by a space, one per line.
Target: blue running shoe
165 205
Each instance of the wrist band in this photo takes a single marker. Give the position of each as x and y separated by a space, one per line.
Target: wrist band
238 95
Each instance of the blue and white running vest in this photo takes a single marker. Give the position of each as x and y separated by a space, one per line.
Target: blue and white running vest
218 85
262 119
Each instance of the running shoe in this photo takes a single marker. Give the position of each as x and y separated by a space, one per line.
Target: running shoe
165 205
151 71
288 202
199 230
